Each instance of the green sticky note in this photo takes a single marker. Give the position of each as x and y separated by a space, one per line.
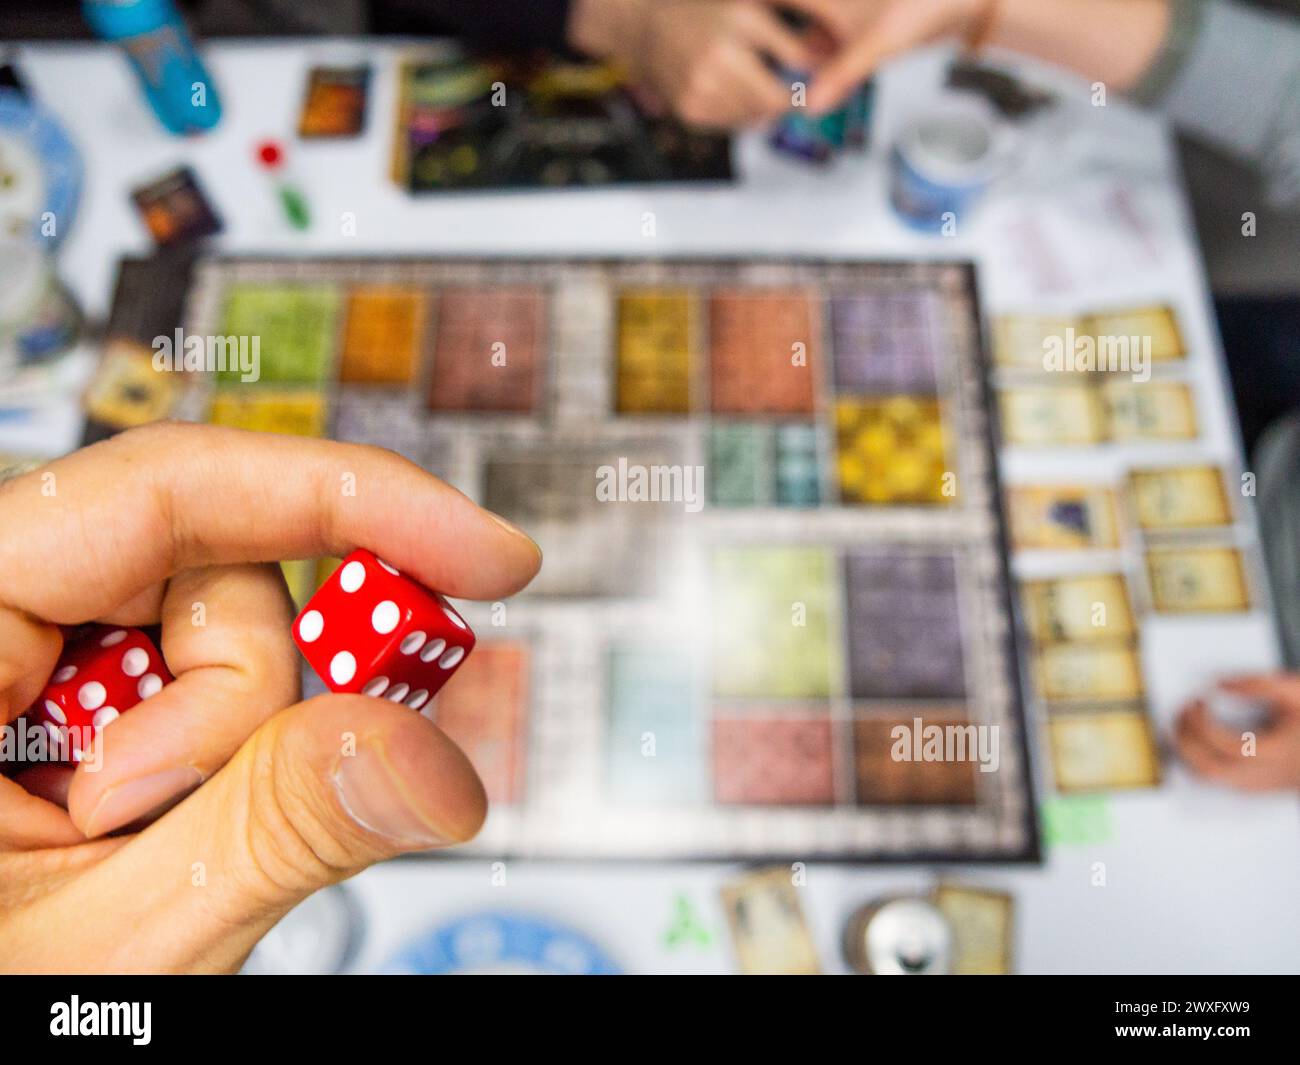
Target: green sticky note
1076 820
296 327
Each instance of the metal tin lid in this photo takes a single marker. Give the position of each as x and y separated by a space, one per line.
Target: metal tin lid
900 936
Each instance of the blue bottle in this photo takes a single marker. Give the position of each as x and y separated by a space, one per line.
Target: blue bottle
153 35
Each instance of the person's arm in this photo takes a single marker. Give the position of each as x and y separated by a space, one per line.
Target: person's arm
1110 40
1230 77
1222 73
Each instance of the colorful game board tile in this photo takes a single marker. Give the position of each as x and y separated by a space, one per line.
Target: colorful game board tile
884 779
653 742
487 353
296 327
741 470
904 625
884 342
655 347
486 713
1103 751
774 630
761 759
764 344
394 422
798 471
384 335
297 412
892 450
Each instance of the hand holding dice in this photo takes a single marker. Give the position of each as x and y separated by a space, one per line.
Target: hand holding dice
368 629
100 675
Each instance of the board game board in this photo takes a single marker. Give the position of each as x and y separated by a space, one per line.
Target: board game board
768 502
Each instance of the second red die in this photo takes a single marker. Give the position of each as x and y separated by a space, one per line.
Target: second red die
369 629
100 675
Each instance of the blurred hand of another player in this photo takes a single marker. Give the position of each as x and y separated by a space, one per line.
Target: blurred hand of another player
868 32
228 803
1223 754
705 60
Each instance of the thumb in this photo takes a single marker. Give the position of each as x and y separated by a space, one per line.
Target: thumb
319 792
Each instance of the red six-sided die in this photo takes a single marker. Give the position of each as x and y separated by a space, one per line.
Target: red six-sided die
368 629
100 675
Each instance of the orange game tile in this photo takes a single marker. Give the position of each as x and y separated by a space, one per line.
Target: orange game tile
764 345
384 334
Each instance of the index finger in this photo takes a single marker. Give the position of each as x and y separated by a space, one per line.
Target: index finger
85 533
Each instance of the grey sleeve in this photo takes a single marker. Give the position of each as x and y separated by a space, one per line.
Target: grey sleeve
1230 77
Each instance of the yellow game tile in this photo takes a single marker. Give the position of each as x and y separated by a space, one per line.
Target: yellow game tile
655 345
892 450
264 410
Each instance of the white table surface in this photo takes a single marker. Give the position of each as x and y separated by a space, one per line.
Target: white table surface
1197 879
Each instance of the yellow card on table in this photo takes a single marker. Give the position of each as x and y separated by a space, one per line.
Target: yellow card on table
1197 580
1181 497
1101 751
1088 608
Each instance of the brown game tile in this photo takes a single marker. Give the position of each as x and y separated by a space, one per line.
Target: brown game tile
881 780
487 353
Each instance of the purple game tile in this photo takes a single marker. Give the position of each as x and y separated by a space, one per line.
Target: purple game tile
884 341
904 628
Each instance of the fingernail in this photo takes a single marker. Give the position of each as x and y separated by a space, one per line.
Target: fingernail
375 798
124 803
514 530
